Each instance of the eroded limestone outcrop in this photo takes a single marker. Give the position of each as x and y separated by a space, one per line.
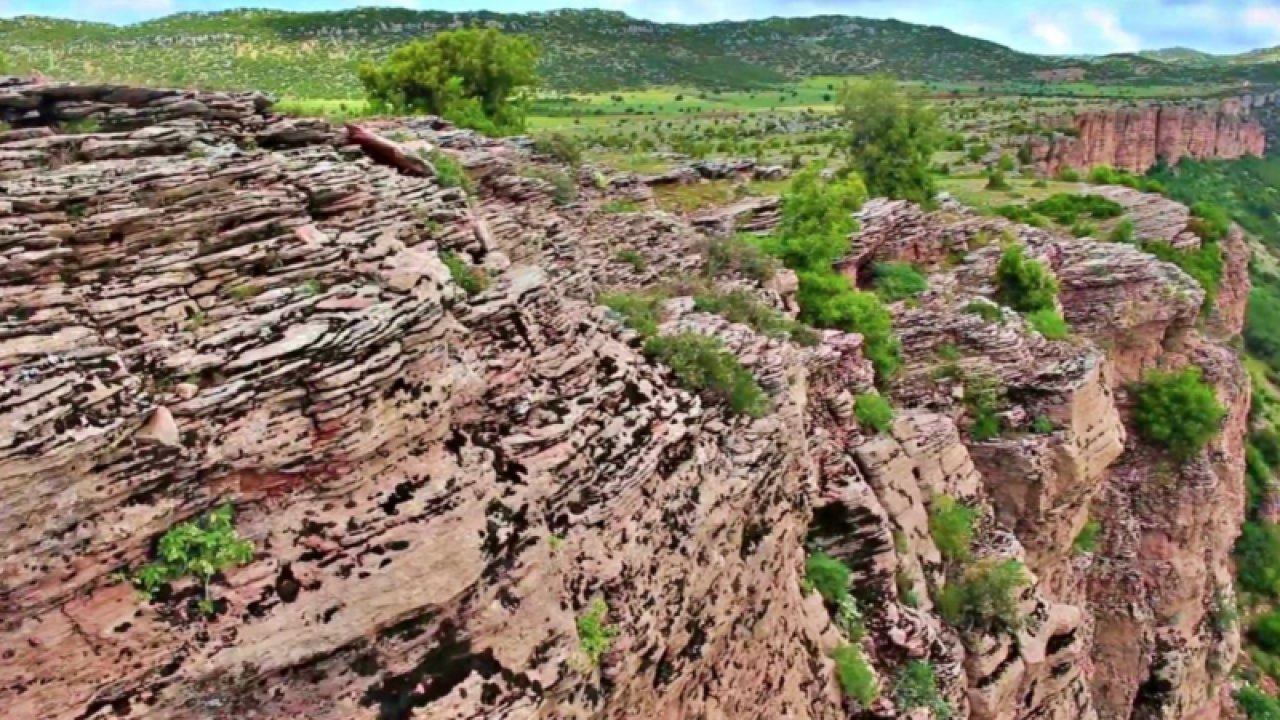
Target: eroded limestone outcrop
438 484
1135 139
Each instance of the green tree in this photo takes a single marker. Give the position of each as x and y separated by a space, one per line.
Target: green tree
891 138
472 77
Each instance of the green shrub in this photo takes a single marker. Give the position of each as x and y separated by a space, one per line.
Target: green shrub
449 172
742 254
827 300
1021 214
1042 425
1123 232
873 411
702 364
812 234
1256 704
1265 631
1257 556
640 311
1066 208
560 147
982 395
985 310
1087 539
996 181
740 306
594 636
471 280
828 576
1209 221
952 525
897 281
203 548
917 687
1023 283
1177 410
1005 163
856 678
1067 174
1049 323
986 597
1204 265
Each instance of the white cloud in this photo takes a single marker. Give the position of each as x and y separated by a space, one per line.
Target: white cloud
1051 34
1109 26
1262 17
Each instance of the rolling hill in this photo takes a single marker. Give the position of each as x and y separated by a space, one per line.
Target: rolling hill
314 54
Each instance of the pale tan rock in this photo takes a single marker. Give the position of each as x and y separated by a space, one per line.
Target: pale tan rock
161 429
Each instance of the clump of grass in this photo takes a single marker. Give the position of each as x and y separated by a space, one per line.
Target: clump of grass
1087 539
897 281
449 172
640 311
952 525
740 306
472 280
1049 323
620 206
857 679
240 293
742 254
632 258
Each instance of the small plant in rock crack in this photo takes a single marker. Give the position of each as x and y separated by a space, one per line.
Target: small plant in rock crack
311 288
202 548
594 636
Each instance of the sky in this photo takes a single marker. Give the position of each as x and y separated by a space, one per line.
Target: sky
1041 26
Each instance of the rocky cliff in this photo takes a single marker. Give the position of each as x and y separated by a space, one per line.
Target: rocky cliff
439 484
1135 139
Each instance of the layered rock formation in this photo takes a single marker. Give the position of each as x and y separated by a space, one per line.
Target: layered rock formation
438 485
1135 139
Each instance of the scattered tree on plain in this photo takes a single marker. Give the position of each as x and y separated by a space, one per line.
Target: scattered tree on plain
475 78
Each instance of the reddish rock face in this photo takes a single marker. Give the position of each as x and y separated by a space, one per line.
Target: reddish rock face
1135 139
437 483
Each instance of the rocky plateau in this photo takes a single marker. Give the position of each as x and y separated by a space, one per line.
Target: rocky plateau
207 303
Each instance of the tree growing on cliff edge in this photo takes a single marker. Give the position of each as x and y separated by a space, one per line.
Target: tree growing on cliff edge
891 138
472 77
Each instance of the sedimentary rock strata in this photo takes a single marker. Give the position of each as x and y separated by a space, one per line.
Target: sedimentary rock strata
1136 139
439 484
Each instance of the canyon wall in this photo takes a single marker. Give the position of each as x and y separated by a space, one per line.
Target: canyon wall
208 304
1135 139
